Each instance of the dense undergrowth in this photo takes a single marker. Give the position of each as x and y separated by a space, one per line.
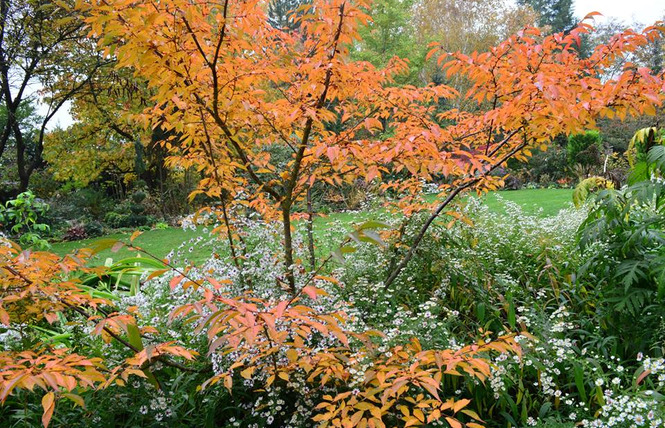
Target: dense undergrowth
491 274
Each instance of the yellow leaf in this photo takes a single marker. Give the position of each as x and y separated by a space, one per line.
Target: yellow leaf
292 355
228 383
75 398
135 235
248 372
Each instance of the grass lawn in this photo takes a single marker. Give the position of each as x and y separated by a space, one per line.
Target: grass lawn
532 201
543 202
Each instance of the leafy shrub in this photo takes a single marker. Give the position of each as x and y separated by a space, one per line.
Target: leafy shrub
584 148
130 213
93 228
624 237
79 205
23 217
75 232
513 271
544 167
116 220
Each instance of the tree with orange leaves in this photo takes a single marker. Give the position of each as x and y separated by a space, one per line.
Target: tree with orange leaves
231 86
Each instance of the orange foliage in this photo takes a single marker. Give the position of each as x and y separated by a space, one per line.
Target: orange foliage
231 87
274 340
37 286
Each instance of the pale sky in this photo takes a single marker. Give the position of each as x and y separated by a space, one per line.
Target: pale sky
643 11
629 11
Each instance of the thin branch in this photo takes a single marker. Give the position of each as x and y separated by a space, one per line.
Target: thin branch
423 230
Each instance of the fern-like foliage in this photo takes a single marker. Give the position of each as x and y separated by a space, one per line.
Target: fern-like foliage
646 154
624 236
589 186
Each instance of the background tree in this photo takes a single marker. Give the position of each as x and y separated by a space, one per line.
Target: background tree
283 14
100 110
616 132
28 123
390 33
36 37
464 26
556 15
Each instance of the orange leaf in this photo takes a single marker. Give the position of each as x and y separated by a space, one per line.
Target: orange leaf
48 403
135 235
454 423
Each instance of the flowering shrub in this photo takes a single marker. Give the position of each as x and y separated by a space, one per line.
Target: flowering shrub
271 359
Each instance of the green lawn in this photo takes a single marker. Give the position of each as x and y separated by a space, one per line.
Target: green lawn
551 201
197 245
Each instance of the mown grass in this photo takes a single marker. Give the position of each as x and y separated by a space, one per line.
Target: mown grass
197 245
541 202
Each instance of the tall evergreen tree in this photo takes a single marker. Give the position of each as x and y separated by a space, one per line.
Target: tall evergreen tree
557 14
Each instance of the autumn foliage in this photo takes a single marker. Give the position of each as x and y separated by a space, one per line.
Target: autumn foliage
228 87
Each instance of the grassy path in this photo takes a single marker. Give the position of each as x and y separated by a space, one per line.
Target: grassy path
195 245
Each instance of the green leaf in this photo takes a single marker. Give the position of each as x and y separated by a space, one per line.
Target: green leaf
374 237
134 336
511 314
480 312
373 224
579 382
544 409
103 244
656 157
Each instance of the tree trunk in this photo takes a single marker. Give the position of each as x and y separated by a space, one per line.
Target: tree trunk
288 246
310 230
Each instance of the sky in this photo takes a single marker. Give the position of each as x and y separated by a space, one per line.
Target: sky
643 11
629 11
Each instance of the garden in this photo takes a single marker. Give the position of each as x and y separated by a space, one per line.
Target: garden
330 213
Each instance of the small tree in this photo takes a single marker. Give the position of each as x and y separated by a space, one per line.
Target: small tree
230 84
584 149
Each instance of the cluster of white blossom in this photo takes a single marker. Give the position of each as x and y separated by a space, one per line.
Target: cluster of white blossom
623 410
504 245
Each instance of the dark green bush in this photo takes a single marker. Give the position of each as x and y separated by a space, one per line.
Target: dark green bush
116 220
584 148
93 228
